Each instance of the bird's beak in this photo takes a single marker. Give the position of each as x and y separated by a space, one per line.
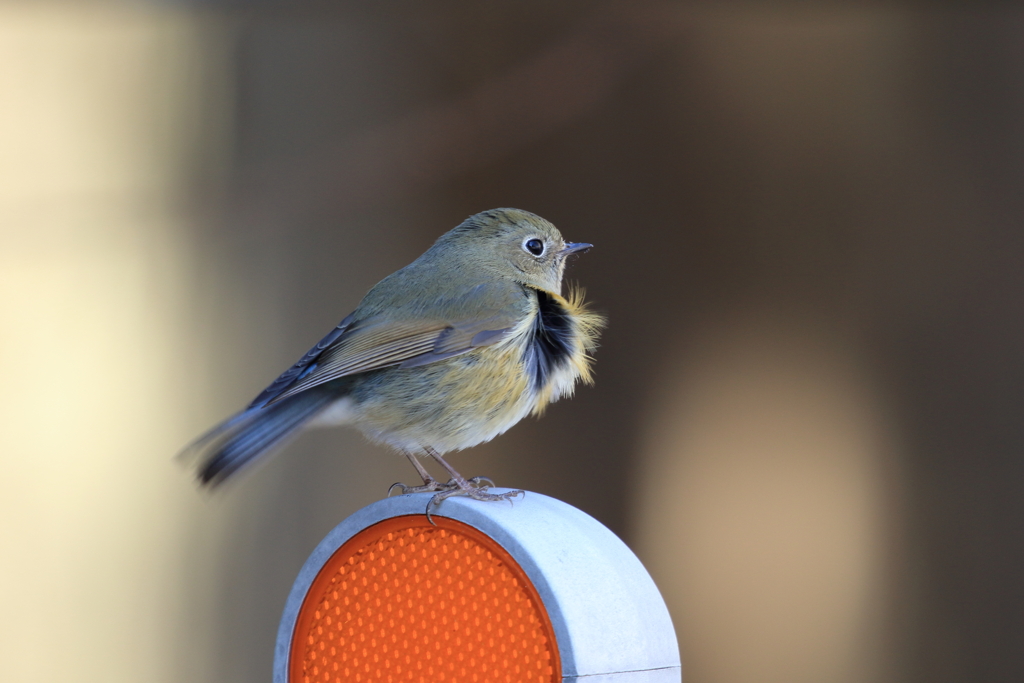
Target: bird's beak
573 247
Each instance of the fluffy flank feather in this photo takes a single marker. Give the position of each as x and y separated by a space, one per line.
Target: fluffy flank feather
588 327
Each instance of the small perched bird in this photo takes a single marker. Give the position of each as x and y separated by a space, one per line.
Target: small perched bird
444 354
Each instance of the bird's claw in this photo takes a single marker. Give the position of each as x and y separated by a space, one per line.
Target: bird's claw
471 492
477 482
427 487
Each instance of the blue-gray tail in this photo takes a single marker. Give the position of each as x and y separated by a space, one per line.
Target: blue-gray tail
241 439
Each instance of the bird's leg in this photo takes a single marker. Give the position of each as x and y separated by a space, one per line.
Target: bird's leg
460 486
429 483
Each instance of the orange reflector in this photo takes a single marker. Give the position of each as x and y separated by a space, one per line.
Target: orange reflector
407 601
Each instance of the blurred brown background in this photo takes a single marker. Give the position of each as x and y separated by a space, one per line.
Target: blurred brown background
808 412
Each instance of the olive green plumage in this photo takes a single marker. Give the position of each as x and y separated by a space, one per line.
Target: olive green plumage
444 354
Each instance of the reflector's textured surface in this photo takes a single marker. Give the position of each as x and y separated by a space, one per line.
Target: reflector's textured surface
406 601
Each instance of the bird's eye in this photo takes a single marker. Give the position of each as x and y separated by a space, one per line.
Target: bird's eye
534 246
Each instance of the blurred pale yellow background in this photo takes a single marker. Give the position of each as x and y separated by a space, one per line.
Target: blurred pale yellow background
808 225
101 118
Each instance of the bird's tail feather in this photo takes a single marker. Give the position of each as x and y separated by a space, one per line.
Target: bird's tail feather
241 439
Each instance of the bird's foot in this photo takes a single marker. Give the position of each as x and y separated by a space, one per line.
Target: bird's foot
478 482
429 485
471 488
476 493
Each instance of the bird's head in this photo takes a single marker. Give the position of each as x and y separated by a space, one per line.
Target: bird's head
514 244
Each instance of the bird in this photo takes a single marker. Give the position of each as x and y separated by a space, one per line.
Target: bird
441 355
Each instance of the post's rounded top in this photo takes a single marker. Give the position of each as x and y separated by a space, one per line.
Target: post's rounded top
604 611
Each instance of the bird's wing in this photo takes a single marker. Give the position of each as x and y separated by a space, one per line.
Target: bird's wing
304 364
379 342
